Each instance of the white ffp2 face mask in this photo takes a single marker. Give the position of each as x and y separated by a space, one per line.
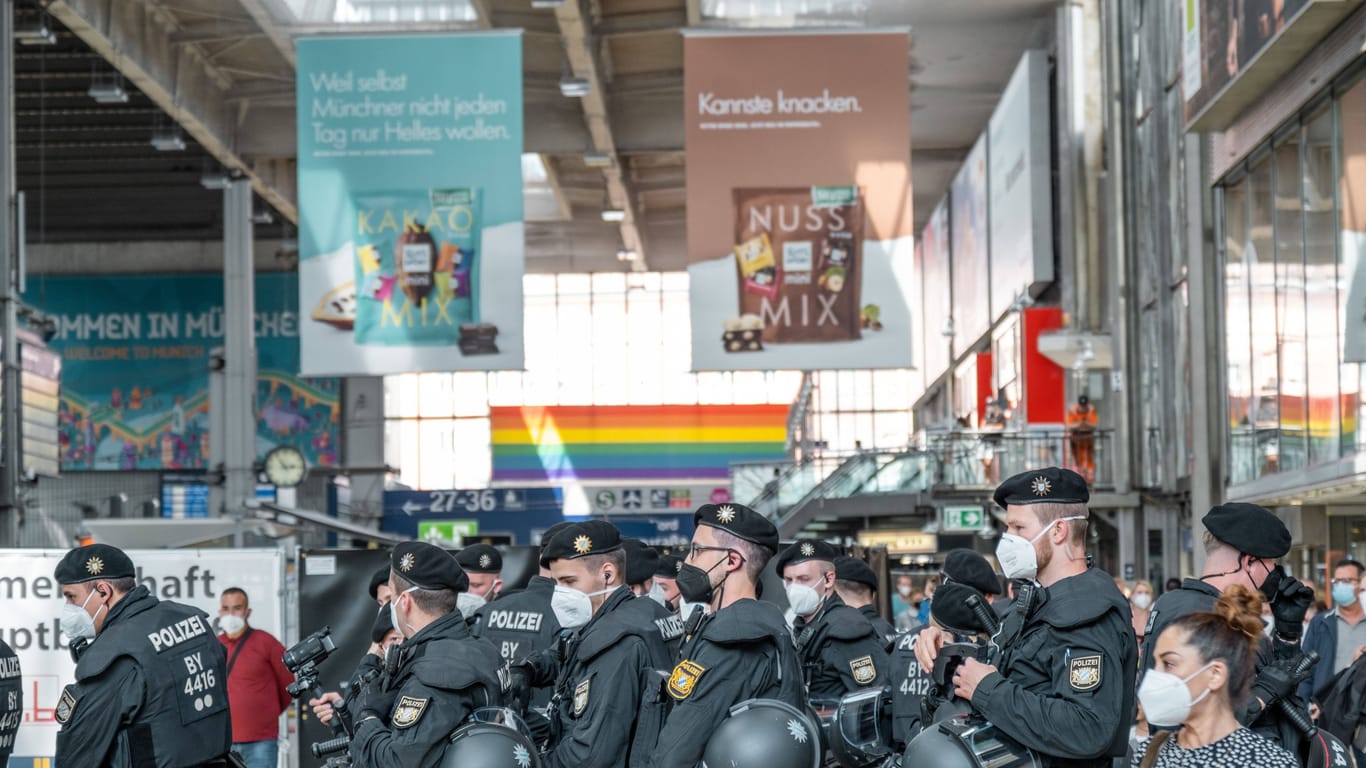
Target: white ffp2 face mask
393 611
1165 698
468 603
1016 553
231 623
1142 600
656 594
573 608
804 600
76 623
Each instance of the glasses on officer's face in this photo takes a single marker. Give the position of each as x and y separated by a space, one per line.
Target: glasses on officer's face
1351 582
698 549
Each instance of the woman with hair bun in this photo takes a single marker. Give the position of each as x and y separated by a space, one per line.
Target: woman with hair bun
1204 668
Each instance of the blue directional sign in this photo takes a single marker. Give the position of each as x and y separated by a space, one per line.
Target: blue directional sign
519 512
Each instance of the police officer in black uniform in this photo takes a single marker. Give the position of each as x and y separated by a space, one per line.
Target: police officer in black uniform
856 584
839 650
1242 544
371 665
522 622
1064 683
151 686
483 564
642 561
666 576
910 682
11 700
608 705
439 675
735 647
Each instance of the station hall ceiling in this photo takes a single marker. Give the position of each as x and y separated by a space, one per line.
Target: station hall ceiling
219 75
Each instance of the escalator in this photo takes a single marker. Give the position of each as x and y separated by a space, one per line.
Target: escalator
857 486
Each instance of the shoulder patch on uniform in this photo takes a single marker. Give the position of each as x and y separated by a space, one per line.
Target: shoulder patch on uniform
408 711
1084 672
65 706
864 670
684 678
581 696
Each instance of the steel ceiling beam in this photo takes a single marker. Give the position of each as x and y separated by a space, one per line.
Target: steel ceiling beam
576 30
131 37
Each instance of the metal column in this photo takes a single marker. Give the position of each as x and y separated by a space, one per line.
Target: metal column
239 351
10 228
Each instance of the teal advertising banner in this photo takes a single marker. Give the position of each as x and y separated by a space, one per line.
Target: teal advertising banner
135 374
411 241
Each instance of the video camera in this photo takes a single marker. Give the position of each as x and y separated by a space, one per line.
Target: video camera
303 659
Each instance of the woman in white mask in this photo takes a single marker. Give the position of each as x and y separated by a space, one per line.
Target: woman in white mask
1203 673
1140 605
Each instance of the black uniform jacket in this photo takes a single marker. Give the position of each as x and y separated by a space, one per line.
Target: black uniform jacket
1065 685
840 651
443 675
741 652
151 690
609 695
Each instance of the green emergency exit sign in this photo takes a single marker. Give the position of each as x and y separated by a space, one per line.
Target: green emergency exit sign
447 530
964 519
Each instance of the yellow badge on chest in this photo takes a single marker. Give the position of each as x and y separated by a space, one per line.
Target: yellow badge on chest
408 711
65 706
1084 673
864 670
684 678
581 696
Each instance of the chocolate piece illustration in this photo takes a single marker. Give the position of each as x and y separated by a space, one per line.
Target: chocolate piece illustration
415 262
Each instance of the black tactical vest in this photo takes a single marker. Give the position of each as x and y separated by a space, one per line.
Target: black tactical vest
184 717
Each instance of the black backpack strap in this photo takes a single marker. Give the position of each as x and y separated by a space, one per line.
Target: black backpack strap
240 644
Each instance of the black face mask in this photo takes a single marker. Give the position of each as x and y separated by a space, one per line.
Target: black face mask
1274 577
694 584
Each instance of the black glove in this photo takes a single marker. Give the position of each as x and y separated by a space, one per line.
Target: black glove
1289 605
374 700
518 688
1278 680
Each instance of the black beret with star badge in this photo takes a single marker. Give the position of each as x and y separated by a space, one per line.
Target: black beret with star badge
855 570
1049 485
92 562
642 560
740 521
669 566
591 537
1250 529
964 566
380 577
480 558
428 566
804 550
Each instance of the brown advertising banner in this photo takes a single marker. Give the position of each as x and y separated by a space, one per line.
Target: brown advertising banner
799 200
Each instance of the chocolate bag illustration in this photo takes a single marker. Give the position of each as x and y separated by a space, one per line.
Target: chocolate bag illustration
417 266
799 256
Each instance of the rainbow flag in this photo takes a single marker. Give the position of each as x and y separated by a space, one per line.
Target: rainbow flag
657 442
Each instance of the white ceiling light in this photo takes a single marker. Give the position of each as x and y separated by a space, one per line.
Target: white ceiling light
108 89
168 140
544 4
628 256
37 33
575 87
614 215
597 159
214 180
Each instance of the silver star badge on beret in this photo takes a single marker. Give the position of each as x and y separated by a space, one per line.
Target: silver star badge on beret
406 562
726 514
1042 487
583 545
485 561
808 549
94 566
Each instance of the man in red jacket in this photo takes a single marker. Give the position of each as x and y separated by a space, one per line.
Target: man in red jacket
257 679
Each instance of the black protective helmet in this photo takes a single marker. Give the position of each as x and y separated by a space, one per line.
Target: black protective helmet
493 737
764 733
1325 750
861 732
966 742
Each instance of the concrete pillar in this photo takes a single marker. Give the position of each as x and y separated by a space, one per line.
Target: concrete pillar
10 454
1207 417
239 350
363 443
